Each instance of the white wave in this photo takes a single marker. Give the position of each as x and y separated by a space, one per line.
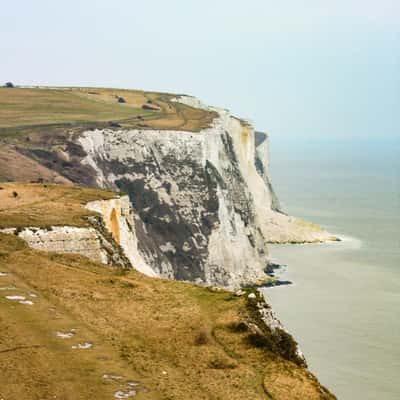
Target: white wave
347 241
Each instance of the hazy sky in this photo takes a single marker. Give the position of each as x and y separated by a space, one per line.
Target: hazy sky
317 67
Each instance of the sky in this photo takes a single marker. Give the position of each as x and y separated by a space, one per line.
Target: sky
310 68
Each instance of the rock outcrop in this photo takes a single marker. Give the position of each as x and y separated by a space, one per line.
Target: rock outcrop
110 239
203 204
119 220
87 242
269 330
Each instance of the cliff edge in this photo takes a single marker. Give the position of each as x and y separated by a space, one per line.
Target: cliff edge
203 208
204 200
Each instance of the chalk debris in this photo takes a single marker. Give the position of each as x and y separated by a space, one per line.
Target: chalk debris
83 346
124 394
65 335
15 297
111 377
26 302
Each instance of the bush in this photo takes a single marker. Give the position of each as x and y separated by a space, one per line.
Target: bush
222 363
9 85
203 337
238 327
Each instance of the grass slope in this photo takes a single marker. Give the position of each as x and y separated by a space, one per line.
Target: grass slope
173 340
23 109
26 107
44 205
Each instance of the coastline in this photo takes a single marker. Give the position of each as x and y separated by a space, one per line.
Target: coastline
275 269
338 295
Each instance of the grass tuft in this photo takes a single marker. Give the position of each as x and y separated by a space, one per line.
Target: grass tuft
222 363
203 337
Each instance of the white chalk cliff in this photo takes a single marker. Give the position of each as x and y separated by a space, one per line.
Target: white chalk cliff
202 204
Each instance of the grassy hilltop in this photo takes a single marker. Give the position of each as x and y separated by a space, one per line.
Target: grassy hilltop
163 339
22 109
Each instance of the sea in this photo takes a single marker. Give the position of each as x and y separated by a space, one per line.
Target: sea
343 307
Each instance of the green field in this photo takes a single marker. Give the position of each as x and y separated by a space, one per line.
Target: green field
27 108
24 107
28 204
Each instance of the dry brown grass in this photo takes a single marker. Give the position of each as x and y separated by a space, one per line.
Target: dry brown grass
141 327
43 205
36 364
292 383
179 340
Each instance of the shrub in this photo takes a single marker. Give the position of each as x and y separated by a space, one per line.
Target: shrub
203 337
238 327
221 363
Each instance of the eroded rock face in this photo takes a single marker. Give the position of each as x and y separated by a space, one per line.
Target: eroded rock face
268 331
119 220
196 216
110 238
66 239
203 204
261 163
270 319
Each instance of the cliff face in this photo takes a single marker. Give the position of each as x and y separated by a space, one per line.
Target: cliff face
203 206
110 237
196 216
261 161
203 203
118 220
65 239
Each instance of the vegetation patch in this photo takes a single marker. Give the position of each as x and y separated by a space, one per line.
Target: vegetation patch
24 205
263 336
175 339
23 109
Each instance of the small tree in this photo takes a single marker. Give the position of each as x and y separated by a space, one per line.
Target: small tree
9 85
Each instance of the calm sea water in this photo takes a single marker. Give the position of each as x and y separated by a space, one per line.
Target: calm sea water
344 306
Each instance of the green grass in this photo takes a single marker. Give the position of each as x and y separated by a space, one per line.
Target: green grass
33 201
24 110
30 107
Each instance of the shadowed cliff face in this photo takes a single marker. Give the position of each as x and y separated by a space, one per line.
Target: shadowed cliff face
261 162
203 203
195 217
177 241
